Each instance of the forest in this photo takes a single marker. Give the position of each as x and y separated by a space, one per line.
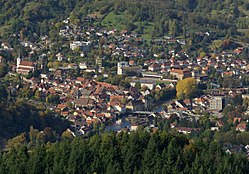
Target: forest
17 116
176 17
137 152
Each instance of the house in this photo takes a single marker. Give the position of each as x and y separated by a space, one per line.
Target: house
24 67
241 127
238 51
137 105
60 57
82 65
82 45
186 130
116 104
202 77
219 124
61 107
161 86
84 102
236 120
154 67
132 63
90 69
214 129
125 69
6 46
133 127
165 65
180 74
80 80
58 73
148 83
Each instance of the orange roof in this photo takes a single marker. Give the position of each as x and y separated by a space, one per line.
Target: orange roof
61 106
81 79
107 85
26 63
115 100
179 71
236 119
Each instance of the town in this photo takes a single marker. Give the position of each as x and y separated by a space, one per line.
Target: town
105 79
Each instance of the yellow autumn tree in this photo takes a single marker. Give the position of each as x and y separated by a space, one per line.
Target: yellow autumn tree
186 88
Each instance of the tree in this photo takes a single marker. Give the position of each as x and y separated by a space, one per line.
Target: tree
37 95
174 28
245 53
186 88
3 69
17 141
67 135
202 54
53 98
3 93
33 135
150 156
138 85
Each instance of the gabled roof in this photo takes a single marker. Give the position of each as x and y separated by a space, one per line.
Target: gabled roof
179 71
26 63
84 101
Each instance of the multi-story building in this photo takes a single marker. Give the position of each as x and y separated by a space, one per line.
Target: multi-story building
217 103
180 74
24 67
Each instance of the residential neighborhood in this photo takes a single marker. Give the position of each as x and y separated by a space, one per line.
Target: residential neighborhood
110 77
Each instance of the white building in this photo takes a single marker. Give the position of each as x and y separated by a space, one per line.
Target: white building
148 83
83 65
84 46
121 65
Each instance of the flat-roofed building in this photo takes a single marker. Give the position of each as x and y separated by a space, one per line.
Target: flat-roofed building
217 103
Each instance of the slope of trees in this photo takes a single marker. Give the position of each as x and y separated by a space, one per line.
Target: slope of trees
17 117
175 17
138 152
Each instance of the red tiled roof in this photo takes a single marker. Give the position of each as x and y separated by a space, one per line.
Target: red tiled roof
81 79
179 71
241 126
116 100
236 119
26 63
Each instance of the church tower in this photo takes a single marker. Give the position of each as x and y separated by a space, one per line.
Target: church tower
18 60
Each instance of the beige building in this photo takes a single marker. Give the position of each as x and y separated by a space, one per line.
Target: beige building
180 74
217 103
125 69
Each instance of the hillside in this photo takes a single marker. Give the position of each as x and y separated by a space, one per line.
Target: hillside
154 18
18 117
138 152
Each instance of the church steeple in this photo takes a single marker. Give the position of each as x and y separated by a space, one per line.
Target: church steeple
18 60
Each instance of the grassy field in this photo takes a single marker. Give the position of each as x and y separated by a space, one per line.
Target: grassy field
119 21
147 32
115 21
